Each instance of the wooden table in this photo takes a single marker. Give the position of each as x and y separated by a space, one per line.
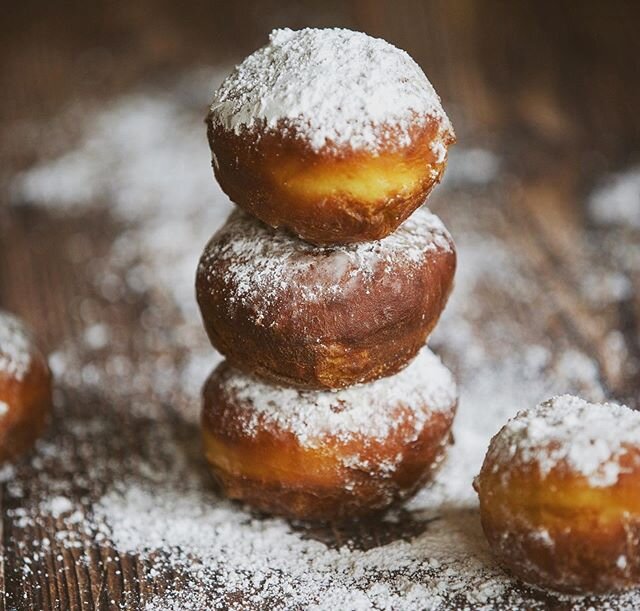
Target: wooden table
553 87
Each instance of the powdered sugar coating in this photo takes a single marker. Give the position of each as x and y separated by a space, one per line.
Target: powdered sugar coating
334 87
370 411
260 263
589 438
617 200
15 347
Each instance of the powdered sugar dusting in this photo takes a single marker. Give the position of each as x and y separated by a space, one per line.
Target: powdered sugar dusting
260 262
57 506
147 155
617 200
366 410
589 438
333 86
15 347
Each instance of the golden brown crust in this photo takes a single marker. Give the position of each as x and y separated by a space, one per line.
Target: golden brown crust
270 468
332 196
27 404
367 332
558 531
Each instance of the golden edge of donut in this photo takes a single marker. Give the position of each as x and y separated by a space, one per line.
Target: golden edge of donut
561 532
330 196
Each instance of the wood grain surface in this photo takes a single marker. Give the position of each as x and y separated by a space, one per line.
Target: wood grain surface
553 86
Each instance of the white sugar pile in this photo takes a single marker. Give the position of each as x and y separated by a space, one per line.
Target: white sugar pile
617 200
15 348
589 438
145 156
333 86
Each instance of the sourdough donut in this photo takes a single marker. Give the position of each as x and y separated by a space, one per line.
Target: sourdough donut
321 455
25 389
559 497
329 133
323 317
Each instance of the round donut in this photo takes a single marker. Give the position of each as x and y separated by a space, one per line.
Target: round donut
25 389
559 497
320 455
323 317
329 133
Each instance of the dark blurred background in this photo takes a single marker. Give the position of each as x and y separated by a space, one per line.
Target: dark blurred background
557 76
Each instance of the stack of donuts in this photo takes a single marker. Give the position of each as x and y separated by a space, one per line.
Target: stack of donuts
323 286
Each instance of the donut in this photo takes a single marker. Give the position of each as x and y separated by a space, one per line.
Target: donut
321 455
323 317
332 134
559 499
25 389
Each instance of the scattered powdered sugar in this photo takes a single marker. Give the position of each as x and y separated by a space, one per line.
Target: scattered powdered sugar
471 167
617 200
589 438
147 156
424 573
7 472
367 410
260 262
333 86
131 465
15 347
57 506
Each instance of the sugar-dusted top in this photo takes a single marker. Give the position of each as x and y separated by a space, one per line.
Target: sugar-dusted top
260 263
332 86
15 347
371 410
565 430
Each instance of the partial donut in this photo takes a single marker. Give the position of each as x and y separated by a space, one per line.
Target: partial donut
559 496
332 134
323 317
25 389
328 455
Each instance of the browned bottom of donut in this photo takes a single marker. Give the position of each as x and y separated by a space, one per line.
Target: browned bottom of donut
282 479
295 361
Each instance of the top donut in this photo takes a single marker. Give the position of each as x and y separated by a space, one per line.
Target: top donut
330 133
